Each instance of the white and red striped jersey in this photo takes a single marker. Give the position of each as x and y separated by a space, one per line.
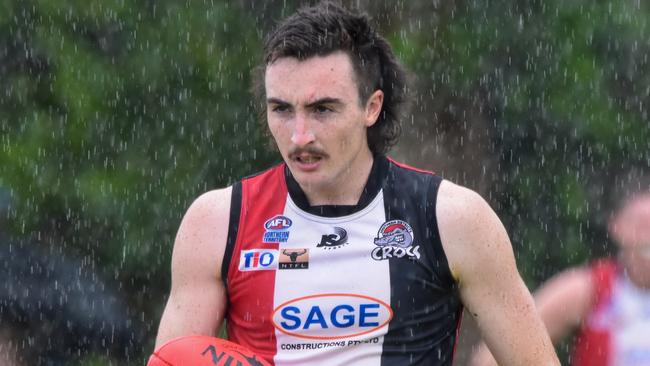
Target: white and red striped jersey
617 330
367 284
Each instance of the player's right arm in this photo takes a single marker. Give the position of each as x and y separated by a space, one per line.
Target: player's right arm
197 300
482 261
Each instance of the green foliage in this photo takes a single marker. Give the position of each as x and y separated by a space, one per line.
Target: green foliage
565 86
114 116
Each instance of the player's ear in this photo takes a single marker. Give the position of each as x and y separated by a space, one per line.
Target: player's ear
373 107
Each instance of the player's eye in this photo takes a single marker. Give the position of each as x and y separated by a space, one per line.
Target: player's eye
322 109
279 108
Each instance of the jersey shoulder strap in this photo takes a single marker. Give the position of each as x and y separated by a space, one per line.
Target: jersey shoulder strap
592 344
603 274
258 190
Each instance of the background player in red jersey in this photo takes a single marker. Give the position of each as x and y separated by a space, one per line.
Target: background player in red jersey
332 111
608 302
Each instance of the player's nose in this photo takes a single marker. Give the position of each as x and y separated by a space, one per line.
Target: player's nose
302 133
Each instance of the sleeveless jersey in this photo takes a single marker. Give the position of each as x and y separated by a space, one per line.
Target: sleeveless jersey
340 285
617 330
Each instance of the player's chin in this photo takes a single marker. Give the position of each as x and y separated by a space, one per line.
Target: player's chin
311 179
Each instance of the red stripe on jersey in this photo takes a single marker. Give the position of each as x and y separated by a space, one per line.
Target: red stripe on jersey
405 166
593 345
250 293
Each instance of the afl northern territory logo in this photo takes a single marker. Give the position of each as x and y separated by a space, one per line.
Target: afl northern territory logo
395 240
277 229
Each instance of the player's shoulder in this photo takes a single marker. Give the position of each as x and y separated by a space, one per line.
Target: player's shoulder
574 288
204 224
215 196
472 235
588 281
469 229
212 203
457 202
575 279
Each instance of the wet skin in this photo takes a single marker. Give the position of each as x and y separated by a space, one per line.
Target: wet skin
319 124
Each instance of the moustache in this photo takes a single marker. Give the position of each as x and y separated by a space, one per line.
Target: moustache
297 151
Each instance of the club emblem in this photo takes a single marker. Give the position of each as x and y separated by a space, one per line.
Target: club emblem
395 240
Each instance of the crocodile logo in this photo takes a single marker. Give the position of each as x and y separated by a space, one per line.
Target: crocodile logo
395 240
395 233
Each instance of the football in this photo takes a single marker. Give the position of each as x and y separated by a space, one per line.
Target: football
200 350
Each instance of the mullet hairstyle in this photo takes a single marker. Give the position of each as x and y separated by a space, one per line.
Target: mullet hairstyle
326 28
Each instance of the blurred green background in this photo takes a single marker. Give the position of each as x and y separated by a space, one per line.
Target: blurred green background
115 115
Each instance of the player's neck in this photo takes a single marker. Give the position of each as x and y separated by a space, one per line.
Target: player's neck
346 188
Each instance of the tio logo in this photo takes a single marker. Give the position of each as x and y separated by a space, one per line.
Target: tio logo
258 260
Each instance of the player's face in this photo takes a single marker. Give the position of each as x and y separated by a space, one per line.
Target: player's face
631 229
317 120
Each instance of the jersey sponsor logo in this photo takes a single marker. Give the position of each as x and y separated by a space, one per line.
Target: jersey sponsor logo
278 223
296 258
258 260
334 241
311 345
277 229
395 240
331 316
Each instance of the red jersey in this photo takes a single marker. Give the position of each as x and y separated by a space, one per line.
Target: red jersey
617 330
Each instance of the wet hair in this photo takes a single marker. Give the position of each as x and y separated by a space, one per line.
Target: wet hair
326 28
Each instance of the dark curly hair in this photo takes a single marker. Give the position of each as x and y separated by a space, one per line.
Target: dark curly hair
326 28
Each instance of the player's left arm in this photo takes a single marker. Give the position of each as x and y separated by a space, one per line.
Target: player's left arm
481 259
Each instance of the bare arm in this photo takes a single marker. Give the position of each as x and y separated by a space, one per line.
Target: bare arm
196 303
481 259
563 303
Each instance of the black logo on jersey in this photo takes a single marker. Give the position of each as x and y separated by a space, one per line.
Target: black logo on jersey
334 241
395 240
294 259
